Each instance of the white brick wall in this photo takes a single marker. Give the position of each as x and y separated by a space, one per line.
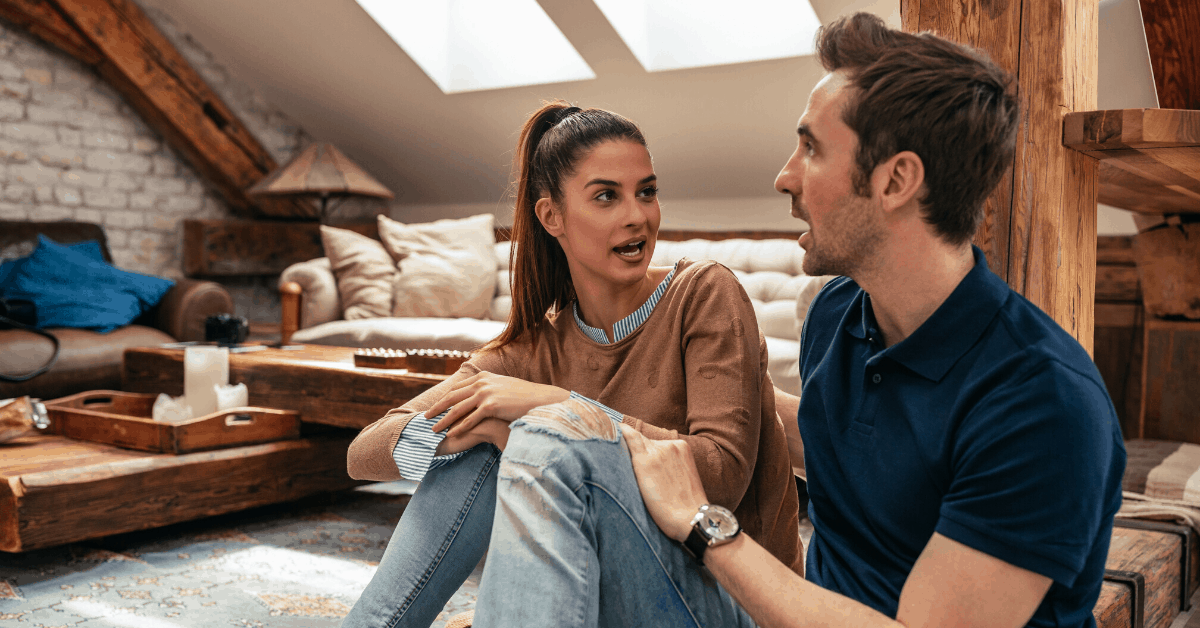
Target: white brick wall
71 148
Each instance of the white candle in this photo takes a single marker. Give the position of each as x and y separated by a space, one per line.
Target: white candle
203 369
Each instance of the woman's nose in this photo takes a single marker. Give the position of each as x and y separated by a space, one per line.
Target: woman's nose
635 213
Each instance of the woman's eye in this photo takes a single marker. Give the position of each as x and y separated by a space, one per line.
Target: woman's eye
649 192
606 195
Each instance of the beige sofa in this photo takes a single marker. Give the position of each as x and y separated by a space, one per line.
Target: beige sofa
769 269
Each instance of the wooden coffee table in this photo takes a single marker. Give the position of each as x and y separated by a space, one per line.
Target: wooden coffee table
321 383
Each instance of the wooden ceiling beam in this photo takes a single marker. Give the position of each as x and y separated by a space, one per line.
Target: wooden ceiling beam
42 19
126 49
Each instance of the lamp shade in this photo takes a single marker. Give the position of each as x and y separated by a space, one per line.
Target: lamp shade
320 170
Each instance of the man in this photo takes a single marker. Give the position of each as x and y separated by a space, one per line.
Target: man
964 460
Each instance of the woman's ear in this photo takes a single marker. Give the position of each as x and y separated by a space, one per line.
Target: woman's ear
900 180
548 214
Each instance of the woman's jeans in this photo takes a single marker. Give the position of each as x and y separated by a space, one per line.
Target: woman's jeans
571 543
441 536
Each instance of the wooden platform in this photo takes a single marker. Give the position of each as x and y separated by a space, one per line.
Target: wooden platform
321 383
55 490
1149 158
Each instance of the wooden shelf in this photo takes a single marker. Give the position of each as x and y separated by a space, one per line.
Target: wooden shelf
1149 158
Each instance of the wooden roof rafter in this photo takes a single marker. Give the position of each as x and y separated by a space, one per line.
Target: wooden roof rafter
126 49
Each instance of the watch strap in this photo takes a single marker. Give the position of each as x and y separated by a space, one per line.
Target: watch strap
695 544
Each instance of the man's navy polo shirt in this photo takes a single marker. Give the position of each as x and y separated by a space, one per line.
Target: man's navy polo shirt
989 425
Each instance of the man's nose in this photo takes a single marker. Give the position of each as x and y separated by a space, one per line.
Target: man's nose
788 179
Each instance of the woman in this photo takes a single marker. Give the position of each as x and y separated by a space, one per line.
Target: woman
676 351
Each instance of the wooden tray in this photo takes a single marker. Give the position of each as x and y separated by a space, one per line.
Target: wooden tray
434 361
123 419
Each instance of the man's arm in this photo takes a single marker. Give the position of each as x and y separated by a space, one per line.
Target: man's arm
950 585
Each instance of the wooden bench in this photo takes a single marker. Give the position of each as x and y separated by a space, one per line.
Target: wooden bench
1151 574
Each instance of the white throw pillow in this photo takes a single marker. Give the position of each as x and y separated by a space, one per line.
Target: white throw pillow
447 267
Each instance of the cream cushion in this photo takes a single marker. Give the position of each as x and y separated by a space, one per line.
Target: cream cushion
460 334
364 270
447 268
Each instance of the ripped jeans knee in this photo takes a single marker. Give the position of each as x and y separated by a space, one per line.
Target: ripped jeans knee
573 420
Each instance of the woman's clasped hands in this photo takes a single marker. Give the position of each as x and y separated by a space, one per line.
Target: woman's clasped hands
482 406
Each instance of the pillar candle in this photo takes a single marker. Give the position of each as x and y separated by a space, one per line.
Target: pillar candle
203 369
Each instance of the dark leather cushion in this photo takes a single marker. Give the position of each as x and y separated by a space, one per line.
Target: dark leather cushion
87 361
18 239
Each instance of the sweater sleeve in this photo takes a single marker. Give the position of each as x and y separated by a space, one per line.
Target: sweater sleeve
724 356
373 454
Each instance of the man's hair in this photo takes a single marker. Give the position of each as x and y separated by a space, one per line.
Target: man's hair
946 102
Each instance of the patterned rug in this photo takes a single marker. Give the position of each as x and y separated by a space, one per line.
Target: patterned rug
301 564
296 565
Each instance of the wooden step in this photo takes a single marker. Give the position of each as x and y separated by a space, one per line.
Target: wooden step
1150 575
56 490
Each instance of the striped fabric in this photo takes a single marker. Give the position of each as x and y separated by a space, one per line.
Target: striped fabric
1163 469
1161 482
612 414
626 325
414 451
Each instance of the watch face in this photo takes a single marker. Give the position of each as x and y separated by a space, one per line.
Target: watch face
718 523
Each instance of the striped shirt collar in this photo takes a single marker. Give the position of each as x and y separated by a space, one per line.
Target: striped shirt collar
626 325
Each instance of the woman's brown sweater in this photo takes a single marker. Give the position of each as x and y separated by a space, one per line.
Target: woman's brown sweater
695 370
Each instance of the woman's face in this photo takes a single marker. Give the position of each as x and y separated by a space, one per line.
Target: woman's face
608 221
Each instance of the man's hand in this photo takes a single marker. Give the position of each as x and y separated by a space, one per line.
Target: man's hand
490 396
492 431
667 477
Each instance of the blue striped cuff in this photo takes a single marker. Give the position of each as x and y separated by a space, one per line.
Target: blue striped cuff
612 414
414 451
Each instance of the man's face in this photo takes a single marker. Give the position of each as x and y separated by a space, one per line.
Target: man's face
844 228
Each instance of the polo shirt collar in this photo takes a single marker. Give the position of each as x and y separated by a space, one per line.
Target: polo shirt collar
951 331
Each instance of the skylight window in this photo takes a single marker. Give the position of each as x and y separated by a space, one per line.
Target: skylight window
471 45
675 34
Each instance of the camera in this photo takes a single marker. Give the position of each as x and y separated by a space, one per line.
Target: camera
226 329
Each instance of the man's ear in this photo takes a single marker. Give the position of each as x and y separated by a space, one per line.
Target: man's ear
899 180
549 216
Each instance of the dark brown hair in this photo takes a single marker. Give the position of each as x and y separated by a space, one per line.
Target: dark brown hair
552 142
946 102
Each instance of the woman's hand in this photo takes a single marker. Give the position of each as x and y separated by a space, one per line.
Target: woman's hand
492 431
490 396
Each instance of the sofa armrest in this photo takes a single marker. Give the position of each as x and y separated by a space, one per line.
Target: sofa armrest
319 302
290 293
182 311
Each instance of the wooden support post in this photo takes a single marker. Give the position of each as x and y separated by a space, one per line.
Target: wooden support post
1039 232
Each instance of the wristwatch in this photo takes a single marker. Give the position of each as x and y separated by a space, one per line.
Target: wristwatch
713 525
